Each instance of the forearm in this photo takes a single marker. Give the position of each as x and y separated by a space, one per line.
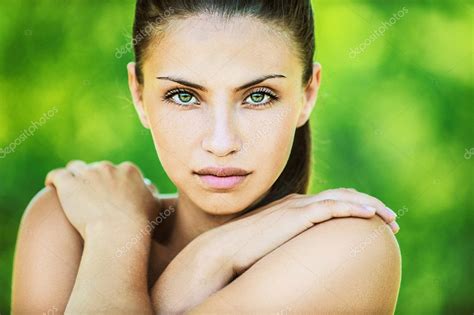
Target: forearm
197 272
111 283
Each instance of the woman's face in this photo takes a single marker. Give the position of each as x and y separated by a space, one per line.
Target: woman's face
217 115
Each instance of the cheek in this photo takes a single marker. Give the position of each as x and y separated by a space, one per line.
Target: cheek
173 130
174 137
269 142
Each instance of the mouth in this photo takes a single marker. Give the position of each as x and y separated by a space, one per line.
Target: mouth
222 178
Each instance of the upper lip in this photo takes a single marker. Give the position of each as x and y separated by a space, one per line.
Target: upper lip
219 171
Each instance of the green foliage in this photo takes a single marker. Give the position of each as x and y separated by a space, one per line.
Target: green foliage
393 119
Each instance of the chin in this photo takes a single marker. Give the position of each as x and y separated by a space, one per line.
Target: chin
218 203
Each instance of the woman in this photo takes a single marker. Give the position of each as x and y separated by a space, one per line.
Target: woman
226 89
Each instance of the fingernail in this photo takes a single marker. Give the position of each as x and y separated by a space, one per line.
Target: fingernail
395 227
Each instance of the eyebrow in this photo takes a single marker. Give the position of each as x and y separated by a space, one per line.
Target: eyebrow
202 88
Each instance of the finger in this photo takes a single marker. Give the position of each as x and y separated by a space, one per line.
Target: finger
58 176
51 174
75 166
329 208
394 226
354 196
128 166
102 165
382 210
386 213
285 223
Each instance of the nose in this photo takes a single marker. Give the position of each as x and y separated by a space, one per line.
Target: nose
222 137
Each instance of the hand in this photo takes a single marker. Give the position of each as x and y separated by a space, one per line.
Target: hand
283 219
103 194
213 259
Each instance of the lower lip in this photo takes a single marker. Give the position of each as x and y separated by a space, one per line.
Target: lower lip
222 182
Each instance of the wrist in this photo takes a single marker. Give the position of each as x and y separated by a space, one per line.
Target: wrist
117 240
198 271
114 230
210 252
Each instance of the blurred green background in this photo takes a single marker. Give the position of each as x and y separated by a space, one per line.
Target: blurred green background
394 119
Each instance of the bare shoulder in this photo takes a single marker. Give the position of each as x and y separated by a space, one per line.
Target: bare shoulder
344 265
355 264
44 215
367 244
43 204
47 255
350 238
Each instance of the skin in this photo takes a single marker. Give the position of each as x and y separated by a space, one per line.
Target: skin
221 131
207 257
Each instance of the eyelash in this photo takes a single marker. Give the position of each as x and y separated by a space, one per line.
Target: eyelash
265 91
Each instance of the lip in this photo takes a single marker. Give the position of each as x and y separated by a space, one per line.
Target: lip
222 171
222 178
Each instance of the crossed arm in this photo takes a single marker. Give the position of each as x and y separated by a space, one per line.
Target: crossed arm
341 265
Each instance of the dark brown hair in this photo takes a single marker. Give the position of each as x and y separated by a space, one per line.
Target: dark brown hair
293 16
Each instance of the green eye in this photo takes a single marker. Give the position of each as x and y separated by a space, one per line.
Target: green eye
181 97
257 97
184 97
261 98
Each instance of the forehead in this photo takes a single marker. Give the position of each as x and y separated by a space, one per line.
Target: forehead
208 47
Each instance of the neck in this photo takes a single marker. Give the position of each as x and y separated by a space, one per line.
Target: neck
187 222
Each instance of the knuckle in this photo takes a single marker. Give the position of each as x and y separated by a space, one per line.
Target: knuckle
106 166
342 191
326 194
70 163
327 202
128 166
52 172
350 190
74 162
97 169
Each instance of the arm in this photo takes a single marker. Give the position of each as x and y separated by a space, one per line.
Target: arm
345 265
47 256
111 283
214 259
109 206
